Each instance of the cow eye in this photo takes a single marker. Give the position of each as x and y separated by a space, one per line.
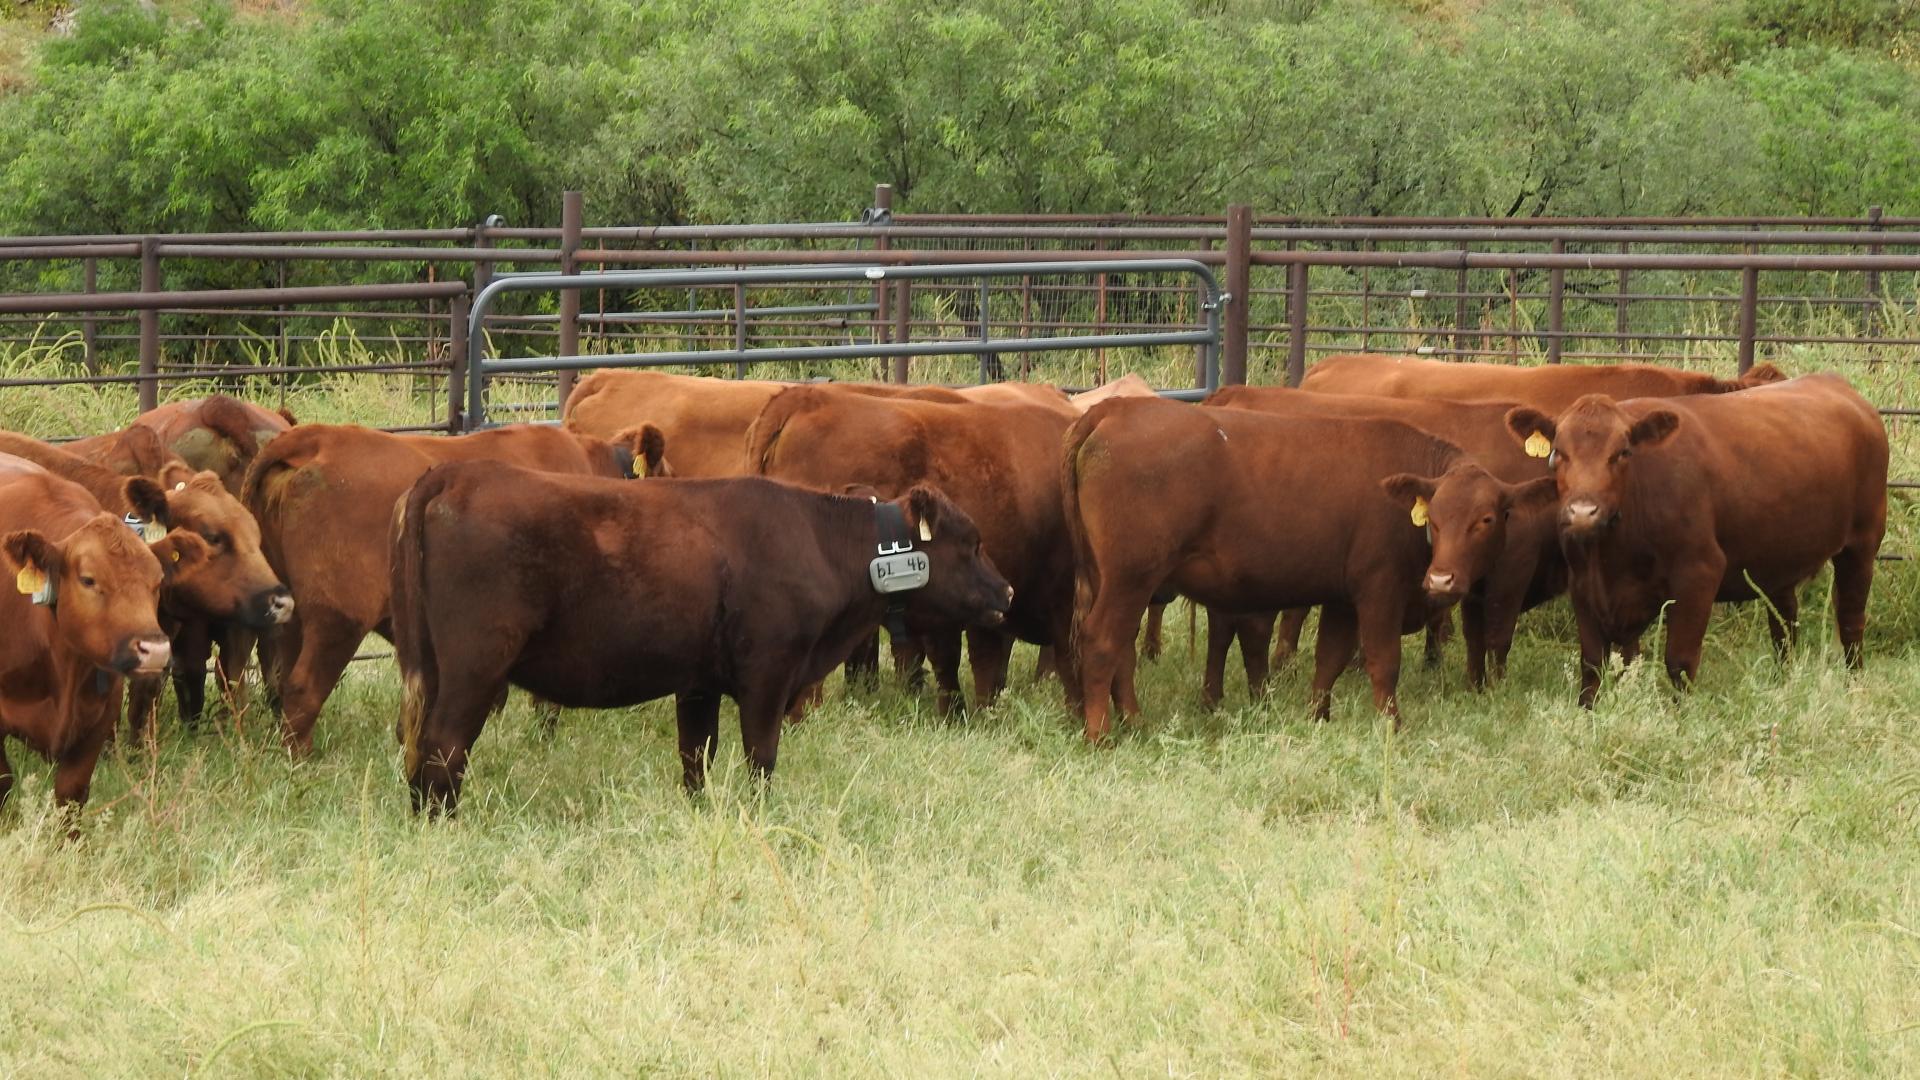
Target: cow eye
214 538
86 581
1623 454
1488 520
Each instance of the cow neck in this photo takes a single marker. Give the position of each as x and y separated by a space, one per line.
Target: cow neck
891 535
78 686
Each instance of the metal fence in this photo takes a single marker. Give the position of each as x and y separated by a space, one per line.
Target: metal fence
246 309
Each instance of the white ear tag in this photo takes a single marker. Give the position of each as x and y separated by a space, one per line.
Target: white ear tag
181 486
926 531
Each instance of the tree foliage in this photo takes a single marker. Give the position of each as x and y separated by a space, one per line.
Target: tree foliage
437 112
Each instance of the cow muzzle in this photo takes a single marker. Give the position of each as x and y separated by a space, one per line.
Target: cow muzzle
1445 585
272 607
1583 517
143 655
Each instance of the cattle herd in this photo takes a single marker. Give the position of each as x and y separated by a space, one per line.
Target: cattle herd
703 538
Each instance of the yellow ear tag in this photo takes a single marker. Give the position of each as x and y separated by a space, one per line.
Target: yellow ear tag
1538 445
926 532
152 532
640 467
30 580
175 554
1420 511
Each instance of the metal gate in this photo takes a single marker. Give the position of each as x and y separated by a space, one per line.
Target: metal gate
478 368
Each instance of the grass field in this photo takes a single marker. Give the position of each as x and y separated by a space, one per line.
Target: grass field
1722 884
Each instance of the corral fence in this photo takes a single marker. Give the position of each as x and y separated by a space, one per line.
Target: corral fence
252 312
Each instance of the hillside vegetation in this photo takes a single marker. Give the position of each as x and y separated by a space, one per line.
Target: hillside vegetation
435 112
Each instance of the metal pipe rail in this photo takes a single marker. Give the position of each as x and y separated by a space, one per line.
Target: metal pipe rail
478 367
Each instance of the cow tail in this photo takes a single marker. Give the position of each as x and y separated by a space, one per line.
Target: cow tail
1085 572
763 435
412 629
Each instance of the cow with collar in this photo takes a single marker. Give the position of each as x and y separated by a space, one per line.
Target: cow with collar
597 594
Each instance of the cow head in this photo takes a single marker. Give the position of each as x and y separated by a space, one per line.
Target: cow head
1590 449
102 584
233 582
964 585
1466 511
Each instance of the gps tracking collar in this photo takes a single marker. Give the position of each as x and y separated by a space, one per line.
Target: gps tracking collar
896 567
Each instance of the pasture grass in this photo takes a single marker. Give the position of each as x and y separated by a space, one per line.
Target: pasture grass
1719 884
1723 883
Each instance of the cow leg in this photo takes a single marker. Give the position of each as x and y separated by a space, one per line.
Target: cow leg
276 663
1439 632
1151 640
991 653
1220 634
698 716
143 705
943 652
1292 622
760 709
1339 633
327 645
192 647
1045 664
809 698
73 769
6 772
1593 655
1380 622
451 721
863 666
1687 620
1852 579
237 643
1783 620
1473 627
1105 636
547 715
1254 632
907 657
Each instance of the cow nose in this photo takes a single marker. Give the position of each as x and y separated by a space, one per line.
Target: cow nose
1439 582
279 606
1583 513
151 654
1009 596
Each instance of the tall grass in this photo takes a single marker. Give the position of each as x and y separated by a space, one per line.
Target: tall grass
1724 883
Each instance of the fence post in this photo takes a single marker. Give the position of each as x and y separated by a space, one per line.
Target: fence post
1873 276
456 364
740 329
882 214
482 268
149 325
89 324
1233 367
571 209
1296 323
1556 305
902 324
1620 304
1460 308
1749 314
1200 298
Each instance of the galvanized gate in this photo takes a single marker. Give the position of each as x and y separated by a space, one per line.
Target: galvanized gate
478 368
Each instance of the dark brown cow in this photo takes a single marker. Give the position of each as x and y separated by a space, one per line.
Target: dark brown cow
1510 496
1247 513
81 613
597 594
216 433
1549 388
992 460
232 585
324 497
1672 505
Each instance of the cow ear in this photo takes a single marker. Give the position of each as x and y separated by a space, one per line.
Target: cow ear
148 501
178 550
648 445
923 506
176 475
30 549
1530 427
1534 494
1408 488
1653 428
